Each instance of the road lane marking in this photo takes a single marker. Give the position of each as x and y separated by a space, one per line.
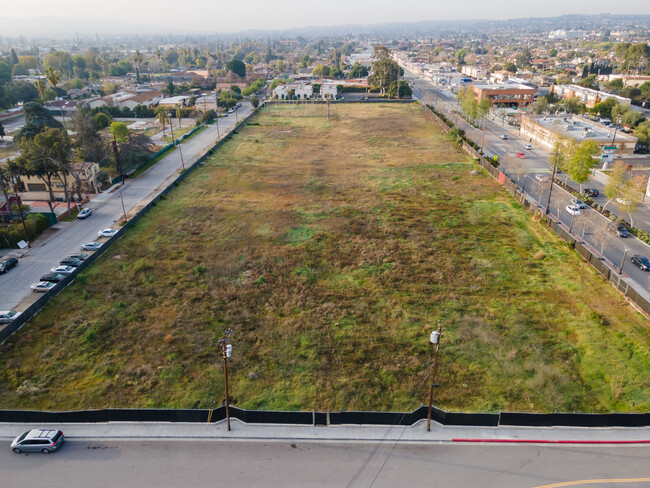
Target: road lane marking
593 482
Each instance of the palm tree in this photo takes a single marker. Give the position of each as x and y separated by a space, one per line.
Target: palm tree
53 75
40 86
179 115
137 59
161 117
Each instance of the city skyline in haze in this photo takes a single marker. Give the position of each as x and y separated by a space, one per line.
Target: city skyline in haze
167 16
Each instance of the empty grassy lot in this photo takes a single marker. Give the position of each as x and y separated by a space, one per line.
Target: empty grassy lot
331 248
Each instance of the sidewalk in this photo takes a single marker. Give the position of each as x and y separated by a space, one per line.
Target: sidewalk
416 433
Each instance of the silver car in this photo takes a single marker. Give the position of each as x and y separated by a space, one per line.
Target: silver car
38 440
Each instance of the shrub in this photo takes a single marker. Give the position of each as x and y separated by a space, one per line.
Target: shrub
11 234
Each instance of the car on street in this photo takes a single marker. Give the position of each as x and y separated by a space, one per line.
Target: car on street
7 316
504 136
521 155
641 261
80 256
62 269
541 177
91 246
85 213
53 277
70 262
619 230
38 440
591 192
42 286
7 264
528 146
572 209
624 202
107 232
576 202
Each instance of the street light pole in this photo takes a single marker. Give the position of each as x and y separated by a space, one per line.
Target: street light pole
226 350
548 203
620 270
435 339
171 127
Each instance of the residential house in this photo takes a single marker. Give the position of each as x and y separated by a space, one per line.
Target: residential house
34 189
281 92
304 91
172 102
145 99
328 90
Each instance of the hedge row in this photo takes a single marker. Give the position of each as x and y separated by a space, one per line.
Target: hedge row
11 234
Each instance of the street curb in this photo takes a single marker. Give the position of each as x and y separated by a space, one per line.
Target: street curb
545 441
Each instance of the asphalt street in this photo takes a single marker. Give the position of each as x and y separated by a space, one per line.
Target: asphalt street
198 463
107 212
590 226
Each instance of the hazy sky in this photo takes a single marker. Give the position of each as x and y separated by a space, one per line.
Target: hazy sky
211 15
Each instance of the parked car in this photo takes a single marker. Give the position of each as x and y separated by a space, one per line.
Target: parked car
91 246
619 230
53 277
576 202
80 256
70 262
62 269
573 209
528 146
591 192
42 286
7 316
7 264
504 136
521 155
541 177
641 261
107 232
85 213
38 440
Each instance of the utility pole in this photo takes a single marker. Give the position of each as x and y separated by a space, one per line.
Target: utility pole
123 210
620 270
550 190
118 163
435 339
22 217
180 151
226 350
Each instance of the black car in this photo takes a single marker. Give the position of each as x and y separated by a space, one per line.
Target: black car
591 192
641 261
618 230
52 277
70 262
7 264
80 256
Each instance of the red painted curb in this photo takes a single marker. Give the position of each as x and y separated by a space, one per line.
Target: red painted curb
541 441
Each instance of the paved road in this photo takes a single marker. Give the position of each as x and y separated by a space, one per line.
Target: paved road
107 211
590 226
199 463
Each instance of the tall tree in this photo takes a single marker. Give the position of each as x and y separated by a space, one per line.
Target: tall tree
161 117
237 67
385 71
582 161
40 86
37 119
53 75
179 115
137 60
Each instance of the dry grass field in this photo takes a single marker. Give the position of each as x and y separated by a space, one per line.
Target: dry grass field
331 248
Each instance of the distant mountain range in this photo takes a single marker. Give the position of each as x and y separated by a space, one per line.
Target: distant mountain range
69 28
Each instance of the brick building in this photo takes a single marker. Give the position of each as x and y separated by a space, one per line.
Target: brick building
510 95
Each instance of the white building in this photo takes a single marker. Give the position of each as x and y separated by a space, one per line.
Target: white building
328 90
281 92
304 91
586 95
208 102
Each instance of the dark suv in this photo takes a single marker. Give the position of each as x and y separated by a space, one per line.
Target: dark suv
591 192
7 264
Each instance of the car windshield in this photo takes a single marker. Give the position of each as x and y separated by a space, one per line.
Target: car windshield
11 313
23 436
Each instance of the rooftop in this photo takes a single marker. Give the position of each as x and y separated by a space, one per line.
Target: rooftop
580 128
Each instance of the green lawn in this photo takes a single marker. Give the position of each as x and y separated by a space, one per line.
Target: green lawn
331 248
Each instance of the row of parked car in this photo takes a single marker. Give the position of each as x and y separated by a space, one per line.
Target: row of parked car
69 264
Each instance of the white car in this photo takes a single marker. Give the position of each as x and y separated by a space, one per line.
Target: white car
573 209
540 177
107 233
86 212
7 316
91 246
65 270
42 286
504 136
528 146
576 202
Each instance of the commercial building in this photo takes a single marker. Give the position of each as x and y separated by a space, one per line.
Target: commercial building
507 95
586 95
545 130
475 72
